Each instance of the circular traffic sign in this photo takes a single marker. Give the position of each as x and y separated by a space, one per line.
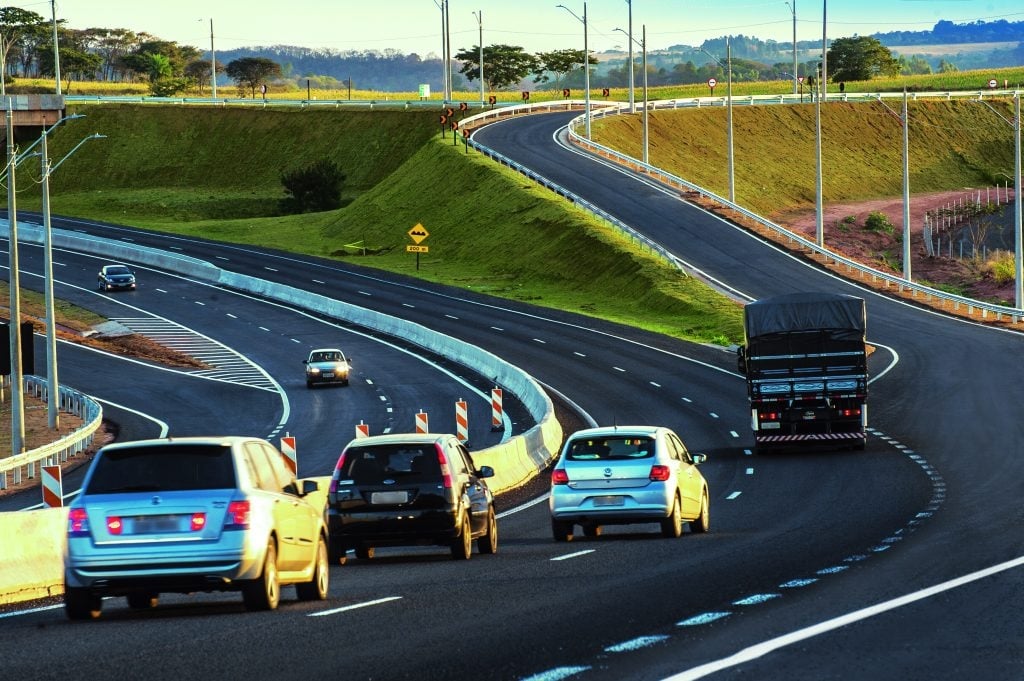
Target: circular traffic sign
712 82
992 83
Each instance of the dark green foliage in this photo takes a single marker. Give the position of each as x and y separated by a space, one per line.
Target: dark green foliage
878 222
312 188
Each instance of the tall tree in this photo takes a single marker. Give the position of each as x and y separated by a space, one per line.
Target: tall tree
504 65
251 72
15 24
860 58
560 63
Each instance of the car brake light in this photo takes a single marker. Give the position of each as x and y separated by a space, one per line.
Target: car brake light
446 473
559 477
238 514
78 521
198 522
660 473
114 524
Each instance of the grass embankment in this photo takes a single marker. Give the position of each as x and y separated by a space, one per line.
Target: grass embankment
953 144
215 173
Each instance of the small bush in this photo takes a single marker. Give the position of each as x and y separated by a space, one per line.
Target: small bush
878 222
1001 266
314 188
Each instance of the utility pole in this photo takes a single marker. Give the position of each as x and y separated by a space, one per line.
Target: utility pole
632 99
906 189
732 173
792 6
480 22
52 387
213 63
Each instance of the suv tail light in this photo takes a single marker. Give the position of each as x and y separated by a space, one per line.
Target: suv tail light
559 477
197 522
446 473
78 522
114 524
660 473
238 515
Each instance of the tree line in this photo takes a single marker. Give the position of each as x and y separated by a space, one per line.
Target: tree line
168 68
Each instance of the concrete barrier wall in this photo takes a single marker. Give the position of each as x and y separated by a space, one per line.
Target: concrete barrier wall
32 543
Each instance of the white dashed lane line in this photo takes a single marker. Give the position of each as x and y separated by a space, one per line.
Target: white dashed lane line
573 555
354 606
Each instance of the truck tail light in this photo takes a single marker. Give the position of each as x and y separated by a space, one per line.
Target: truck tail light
849 412
770 415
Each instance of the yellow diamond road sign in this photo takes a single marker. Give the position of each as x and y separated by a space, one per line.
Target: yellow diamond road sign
419 233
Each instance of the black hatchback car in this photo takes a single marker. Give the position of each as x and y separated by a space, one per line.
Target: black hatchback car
408 489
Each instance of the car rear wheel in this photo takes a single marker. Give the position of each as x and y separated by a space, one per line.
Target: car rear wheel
264 592
703 521
316 588
364 552
143 600
462 546
561 531
79 604
672 526
488 543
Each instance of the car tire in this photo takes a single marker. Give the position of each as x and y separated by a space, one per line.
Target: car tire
672 526
79 604
364 552
264 592
462 545
143 600
316 588
561 531
488 542
702 523
592 531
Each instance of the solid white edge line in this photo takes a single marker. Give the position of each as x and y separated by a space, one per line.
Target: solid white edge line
759 650
354 606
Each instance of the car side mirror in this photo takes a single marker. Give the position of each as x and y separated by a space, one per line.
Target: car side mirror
699 459
485 472
309 486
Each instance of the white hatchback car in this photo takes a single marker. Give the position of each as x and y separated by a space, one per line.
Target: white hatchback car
327 365
627 474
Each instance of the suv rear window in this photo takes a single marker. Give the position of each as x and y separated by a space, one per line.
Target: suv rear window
402 463
594 449
163 468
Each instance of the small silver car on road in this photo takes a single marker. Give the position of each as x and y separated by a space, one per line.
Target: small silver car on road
192 514
326 365
627 474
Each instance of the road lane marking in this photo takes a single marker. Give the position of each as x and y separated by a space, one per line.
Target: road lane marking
733 495
573 555
635 644
354 606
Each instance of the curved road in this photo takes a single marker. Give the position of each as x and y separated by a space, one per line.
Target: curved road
796 542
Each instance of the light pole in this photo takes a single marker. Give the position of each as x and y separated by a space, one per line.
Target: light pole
14 327
53 388
819 218
792 7
632 100
643 47
445 67
56 52
480 22
728 66
1018 228
213 64
586 64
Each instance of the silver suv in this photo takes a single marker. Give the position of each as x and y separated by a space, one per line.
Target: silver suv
183 515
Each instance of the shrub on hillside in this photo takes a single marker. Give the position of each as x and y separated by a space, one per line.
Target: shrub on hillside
313 188
1001 266
878 222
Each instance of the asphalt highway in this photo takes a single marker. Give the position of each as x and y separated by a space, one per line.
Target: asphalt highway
898 562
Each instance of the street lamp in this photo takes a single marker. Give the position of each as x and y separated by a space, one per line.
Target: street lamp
632 100
56 52
446 75
643 47
728 65
792 7
213 64
52 389
586 64
480 22
14 327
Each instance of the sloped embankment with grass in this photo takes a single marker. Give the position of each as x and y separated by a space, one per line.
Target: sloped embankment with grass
214 173
953 145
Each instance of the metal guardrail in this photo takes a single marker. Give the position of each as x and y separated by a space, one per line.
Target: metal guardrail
957 302
70 401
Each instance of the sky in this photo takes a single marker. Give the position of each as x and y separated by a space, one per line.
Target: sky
409 26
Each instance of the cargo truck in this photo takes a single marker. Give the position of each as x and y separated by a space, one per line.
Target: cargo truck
805 360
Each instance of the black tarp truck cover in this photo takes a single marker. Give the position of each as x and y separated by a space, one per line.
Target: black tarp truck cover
841 314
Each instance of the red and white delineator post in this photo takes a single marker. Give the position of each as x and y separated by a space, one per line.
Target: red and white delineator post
496 409
288 449
462 421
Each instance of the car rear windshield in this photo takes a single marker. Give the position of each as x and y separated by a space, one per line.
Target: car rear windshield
163 468
618 447
405 464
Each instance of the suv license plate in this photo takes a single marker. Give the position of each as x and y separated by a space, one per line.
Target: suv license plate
389 497
609 501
